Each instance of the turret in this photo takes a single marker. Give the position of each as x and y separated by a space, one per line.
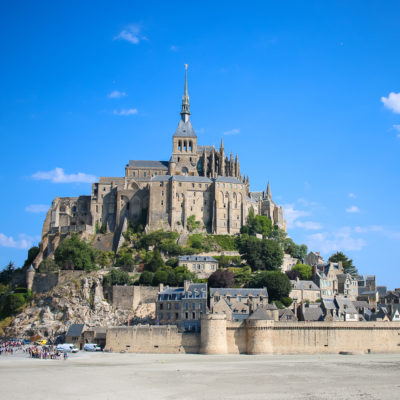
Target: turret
30 275
269 195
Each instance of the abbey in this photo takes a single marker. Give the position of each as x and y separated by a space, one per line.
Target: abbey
199 181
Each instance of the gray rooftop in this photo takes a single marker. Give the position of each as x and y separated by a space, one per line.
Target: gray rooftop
197 258
304 285
234 292
260 313
313 314
228 179
185 129
345 305
148 164
75 330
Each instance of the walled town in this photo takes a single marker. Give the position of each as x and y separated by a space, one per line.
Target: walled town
180 256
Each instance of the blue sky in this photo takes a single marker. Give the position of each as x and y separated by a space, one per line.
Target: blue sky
308 94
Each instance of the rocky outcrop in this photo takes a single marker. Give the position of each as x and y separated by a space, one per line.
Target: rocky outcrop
78 300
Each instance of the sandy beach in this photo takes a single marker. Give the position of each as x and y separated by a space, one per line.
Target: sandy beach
151 376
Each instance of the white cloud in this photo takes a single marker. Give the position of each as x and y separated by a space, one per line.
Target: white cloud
291 214
131 34
352 195
392 102
57 175
308 225
397 128
116 94
307 203
174 48
232 132
125 112
37 208
23 241
341 240
367 229
353 209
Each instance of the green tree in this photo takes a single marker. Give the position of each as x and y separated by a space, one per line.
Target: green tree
155 263
116 277
304 270
32 253
105 258
160 276
221 278
76 252
7 273
192 224
277 284
48 265
124 260
146 278
348 267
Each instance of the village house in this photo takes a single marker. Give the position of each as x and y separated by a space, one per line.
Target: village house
304 291
202 266
347 286
182 306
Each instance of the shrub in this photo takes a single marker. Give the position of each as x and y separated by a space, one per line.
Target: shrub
287 301
155 263
146 278
304 270
75 252
192 224
222 278
160 277
277 283
116 277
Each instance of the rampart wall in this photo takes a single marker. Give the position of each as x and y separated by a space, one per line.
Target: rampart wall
151 339
219 336
129 297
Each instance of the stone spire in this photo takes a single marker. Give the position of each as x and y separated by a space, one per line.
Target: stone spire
237 171
231 167
269 195
185 111
205 161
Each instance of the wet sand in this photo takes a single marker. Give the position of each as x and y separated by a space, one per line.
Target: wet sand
155 376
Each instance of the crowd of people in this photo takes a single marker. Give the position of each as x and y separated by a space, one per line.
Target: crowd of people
46 352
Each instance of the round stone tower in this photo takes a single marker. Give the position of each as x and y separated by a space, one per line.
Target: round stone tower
30 275
259 340
213 334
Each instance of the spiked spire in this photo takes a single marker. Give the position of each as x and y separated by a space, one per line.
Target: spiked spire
185 111
269 195
222 146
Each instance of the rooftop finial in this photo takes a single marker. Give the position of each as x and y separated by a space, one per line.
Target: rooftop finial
269 196
185 111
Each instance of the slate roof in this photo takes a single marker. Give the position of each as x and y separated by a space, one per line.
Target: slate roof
313 314
360 304
255 196
197 258
329 304
148 164
185 129
75 330
195 291
200 149
228 179
381 290
234 292
345 305
304 285
260 313
173 294
199 179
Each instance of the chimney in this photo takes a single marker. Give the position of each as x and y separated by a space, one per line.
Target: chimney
186 285
160 287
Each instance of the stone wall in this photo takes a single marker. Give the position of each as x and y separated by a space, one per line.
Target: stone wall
44 282
151 339
219 336
129 297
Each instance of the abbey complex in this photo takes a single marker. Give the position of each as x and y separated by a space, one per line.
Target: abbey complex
198 181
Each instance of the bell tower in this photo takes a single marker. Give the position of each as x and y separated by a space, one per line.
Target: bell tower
184 141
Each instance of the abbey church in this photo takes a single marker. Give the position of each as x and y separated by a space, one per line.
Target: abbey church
198 180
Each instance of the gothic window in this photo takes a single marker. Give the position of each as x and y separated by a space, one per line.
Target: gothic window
190 146
192 185
162 193
144 174
185 145
180 183
162 202
179 146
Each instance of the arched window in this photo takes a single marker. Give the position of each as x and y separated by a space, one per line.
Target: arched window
185 145
190 146
180 145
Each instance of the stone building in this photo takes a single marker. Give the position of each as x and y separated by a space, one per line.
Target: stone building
325 277
241 302
202 266
182 307
304 291
347 286
198 182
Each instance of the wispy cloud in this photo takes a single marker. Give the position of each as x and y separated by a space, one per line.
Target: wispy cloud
126 111
131 34
340 240
116 94
309 225
397 128
37 208
23 241
353 209
292 214
368 229
392 102
174 48
352 195
57 175
232 132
